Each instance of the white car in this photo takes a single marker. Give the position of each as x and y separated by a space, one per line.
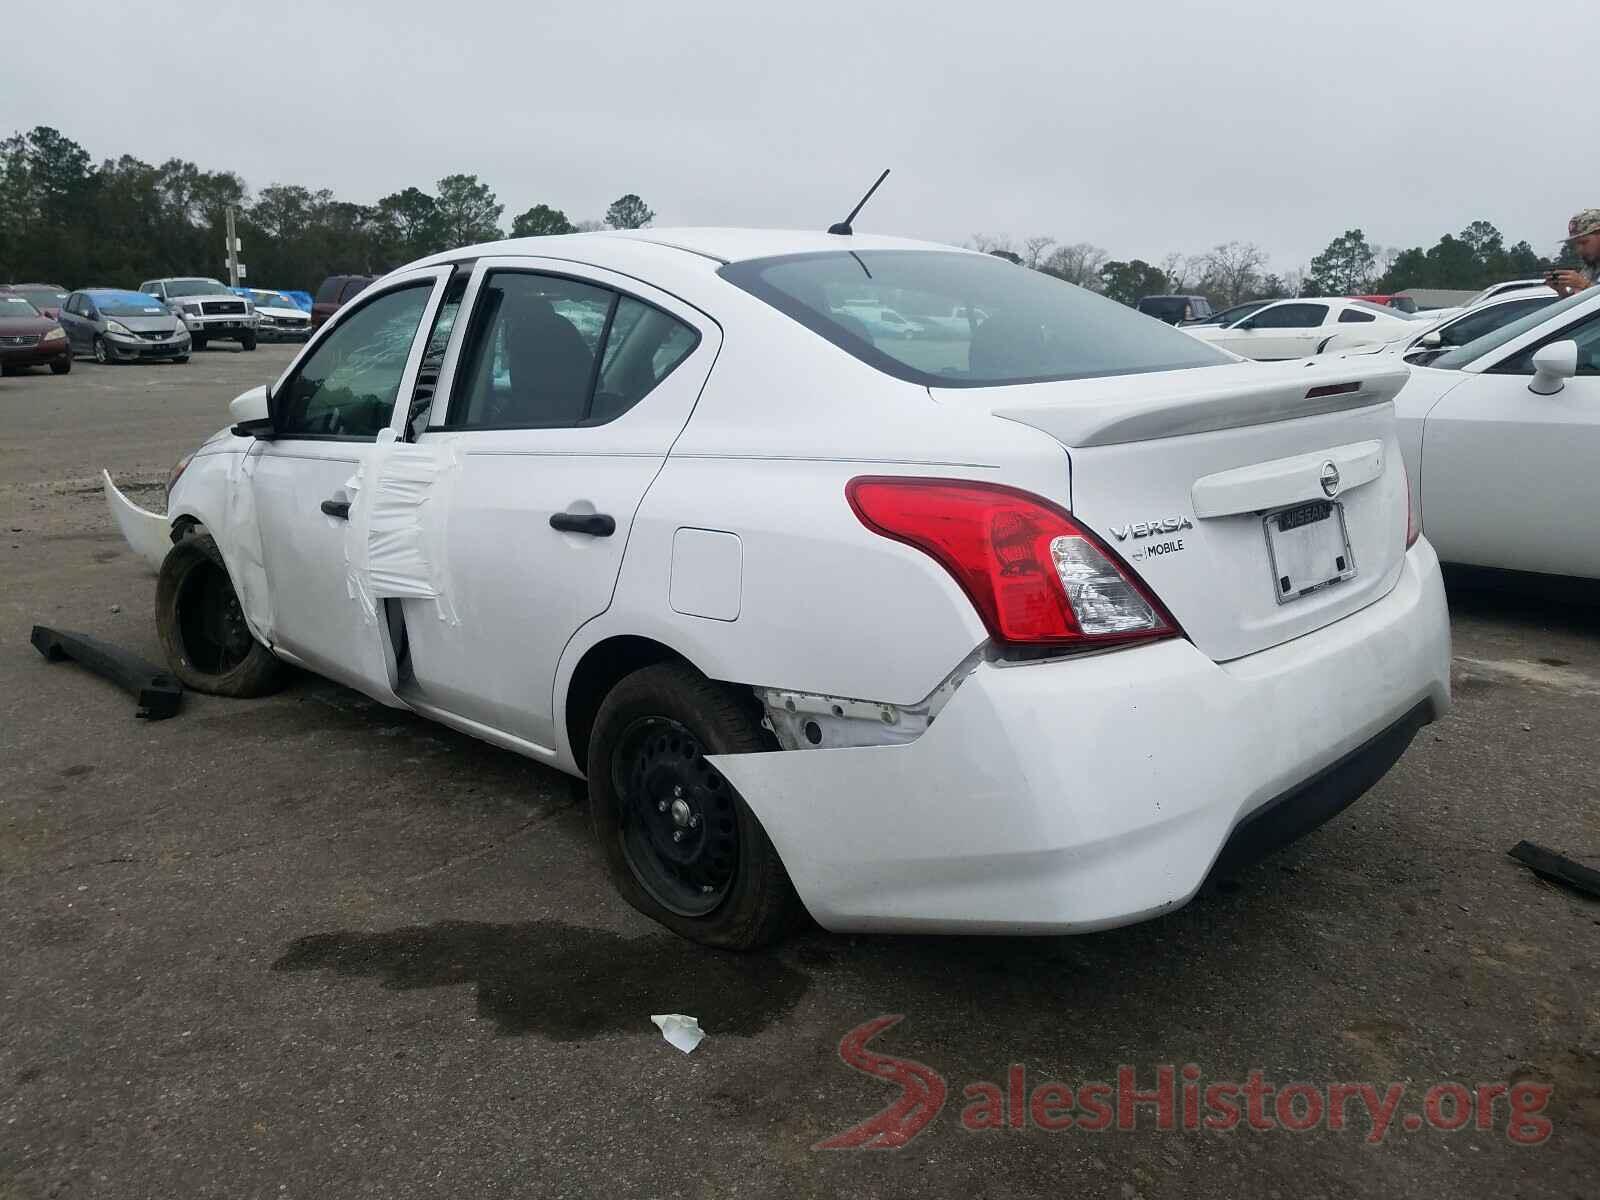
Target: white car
1288 329
1420 347
1026 633
1502 438
278 318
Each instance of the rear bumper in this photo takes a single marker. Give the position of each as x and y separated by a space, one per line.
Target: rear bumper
1081 794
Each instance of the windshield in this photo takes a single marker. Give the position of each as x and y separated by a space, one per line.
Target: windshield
1493 340
42 297
196 287
17 306
1023 326
270 300
127 304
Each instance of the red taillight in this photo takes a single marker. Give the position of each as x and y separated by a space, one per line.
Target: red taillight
1034 574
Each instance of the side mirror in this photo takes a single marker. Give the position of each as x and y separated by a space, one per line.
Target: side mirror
1431 340
251 413
1553 365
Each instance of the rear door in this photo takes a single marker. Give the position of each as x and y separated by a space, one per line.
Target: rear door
1508 476
561 394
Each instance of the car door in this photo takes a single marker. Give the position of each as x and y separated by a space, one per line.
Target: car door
561 393
1508 476
1275 331
68 319
331 411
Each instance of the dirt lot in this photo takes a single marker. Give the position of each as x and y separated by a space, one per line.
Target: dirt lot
308 946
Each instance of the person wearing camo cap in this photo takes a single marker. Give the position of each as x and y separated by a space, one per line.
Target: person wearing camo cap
1583 235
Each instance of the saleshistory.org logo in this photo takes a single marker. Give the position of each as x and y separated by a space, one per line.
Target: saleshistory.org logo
1177 1098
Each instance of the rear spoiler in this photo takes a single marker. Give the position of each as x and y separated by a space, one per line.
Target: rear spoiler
1202 400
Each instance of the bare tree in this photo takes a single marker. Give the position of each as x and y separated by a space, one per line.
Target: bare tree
1180 272
1078 263
1034 250
992 243
1233 271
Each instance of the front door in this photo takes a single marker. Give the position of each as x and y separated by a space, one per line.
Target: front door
331 412
562 391
1508 476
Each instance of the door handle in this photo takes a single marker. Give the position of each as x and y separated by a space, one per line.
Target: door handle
337 508
594 524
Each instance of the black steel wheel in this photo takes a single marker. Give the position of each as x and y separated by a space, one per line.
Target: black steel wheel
680 833
679 842
202 627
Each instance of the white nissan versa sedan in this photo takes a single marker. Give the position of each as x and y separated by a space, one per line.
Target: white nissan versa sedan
1023 625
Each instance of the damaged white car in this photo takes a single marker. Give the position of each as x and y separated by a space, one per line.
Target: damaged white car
1027 625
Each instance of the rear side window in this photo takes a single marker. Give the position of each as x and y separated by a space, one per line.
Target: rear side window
1354 316
328 293
548 352
353 287
890 309
1290 316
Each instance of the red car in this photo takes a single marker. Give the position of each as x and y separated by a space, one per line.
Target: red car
336 291
28 338
46 297
1399 301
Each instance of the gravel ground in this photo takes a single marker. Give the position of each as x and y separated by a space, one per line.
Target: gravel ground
309 946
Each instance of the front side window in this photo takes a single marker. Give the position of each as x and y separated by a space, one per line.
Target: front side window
1493 340
1290 316
1475 325
1587 335
347 388
1037 327
543 352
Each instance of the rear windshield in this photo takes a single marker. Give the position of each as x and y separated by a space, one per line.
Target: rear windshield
947 319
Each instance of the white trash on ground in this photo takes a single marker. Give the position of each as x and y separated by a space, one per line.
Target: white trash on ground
683 1032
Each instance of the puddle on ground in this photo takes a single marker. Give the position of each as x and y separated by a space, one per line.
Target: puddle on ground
562 981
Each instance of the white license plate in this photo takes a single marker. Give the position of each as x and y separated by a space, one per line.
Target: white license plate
1309 548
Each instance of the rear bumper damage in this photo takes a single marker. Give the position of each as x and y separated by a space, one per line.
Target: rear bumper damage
1080 794
146 533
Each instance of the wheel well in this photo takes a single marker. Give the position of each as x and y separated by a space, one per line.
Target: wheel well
602 667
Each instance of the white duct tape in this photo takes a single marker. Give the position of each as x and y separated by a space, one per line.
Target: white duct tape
240 543
394 546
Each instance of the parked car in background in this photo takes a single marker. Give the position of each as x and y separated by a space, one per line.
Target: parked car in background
1229 316
336 291
46 297
1498 289
28 338
1441 336
1175 310
1300 328
1501 437
117 326
207 308
278 318
1399 301
1139 611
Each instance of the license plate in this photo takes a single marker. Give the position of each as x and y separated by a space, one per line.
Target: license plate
1309 548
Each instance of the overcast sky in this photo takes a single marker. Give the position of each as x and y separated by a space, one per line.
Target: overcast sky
1141 127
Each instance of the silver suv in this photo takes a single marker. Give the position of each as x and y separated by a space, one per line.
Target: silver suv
208 308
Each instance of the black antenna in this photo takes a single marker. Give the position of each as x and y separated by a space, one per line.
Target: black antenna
843 226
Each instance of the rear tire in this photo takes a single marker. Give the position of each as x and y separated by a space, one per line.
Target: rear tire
679 842
62 367
202 627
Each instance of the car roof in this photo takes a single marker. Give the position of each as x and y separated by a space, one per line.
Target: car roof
723 245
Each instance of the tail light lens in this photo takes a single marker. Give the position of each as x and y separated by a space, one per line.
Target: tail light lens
1035 576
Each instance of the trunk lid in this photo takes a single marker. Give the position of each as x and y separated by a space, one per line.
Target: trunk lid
1179 473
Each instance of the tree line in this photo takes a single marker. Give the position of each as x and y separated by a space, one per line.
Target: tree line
1233 272
65 220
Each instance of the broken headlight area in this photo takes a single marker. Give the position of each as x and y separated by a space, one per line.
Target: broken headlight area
810 721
